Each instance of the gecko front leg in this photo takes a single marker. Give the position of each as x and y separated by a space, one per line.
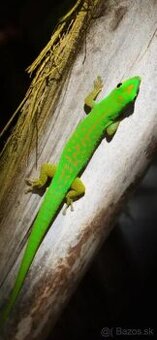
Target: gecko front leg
112 128
90 99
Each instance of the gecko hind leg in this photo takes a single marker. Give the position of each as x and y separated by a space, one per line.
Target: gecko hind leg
47 170
76 191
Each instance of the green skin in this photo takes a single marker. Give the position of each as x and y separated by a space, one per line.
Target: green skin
104 117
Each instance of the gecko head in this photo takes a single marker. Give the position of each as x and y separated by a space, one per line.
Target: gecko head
128 90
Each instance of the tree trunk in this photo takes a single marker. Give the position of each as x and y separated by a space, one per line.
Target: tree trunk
120 43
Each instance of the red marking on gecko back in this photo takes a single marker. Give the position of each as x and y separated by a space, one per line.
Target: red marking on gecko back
129 88
79 151
120 98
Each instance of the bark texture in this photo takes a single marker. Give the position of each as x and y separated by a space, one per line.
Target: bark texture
120 43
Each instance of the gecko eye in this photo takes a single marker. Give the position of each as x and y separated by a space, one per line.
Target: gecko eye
119 84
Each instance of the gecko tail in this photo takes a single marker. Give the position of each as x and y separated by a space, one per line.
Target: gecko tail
40 226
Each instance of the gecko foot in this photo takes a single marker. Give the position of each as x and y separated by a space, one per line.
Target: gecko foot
98 84
33 183
68 204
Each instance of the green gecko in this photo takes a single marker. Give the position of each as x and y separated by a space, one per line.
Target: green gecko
104 117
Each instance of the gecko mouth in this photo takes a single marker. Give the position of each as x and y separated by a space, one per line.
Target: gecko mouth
137 94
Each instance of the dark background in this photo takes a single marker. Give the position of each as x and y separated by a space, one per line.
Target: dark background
119 289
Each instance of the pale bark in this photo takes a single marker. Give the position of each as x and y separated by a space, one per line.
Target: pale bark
120 44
